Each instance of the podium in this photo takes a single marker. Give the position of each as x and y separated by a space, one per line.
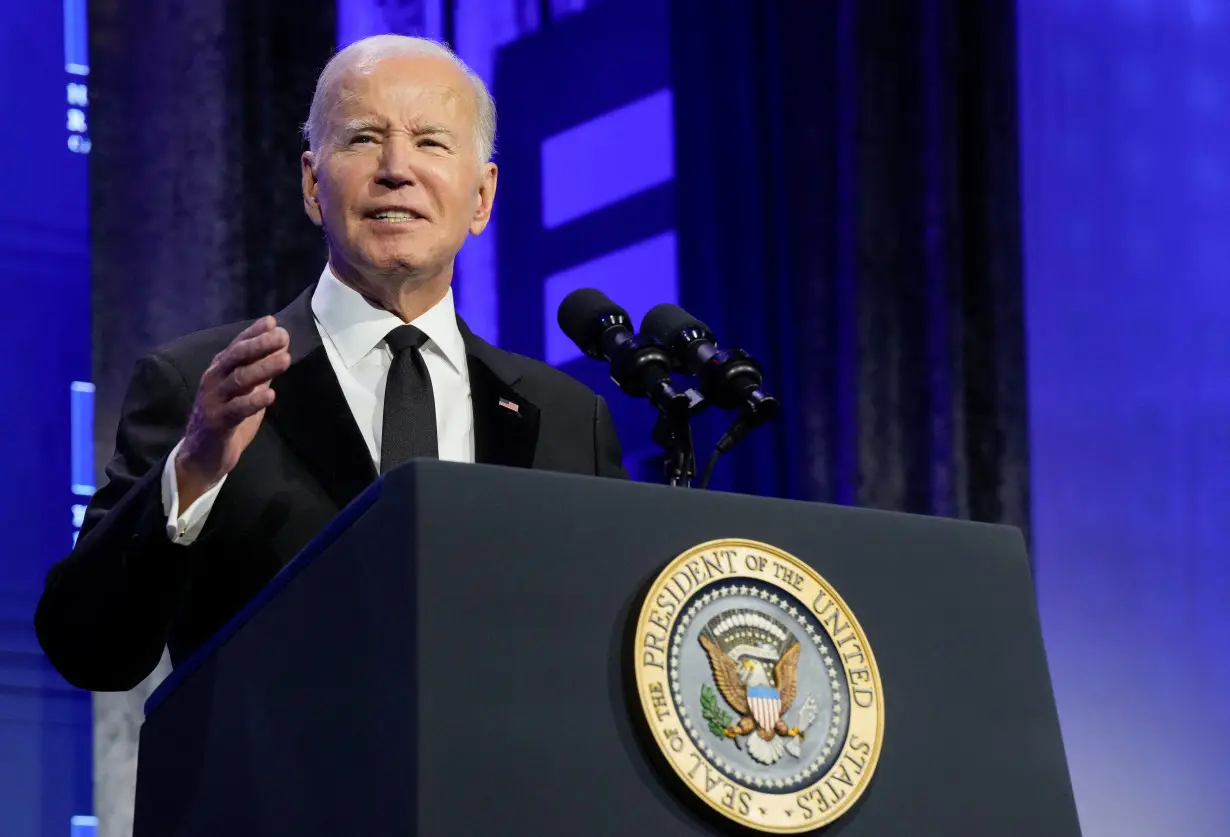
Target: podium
457 655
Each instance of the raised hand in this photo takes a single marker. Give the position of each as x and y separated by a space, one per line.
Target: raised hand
230 405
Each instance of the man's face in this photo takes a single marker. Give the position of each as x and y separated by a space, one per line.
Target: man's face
397 183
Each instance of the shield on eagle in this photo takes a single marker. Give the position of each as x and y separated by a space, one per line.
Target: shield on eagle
766 705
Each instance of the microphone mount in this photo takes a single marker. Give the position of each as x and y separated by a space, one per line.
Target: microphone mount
674 435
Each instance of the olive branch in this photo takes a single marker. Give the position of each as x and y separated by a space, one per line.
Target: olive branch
717 718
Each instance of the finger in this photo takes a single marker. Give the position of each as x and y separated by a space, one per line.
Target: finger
238 409
244 378
252 349
261 326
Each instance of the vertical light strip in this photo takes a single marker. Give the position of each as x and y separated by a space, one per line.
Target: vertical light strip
76 40
82 429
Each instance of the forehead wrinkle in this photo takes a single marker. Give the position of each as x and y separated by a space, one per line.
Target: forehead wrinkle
416 108
359 83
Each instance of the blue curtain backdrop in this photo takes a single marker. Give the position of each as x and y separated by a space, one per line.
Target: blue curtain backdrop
849 212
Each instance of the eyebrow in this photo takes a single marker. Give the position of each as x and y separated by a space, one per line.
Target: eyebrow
432 128
355 126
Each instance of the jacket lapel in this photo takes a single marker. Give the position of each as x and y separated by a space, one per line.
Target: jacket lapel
312 414
505 421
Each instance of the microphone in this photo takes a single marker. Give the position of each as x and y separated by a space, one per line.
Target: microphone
729 378
639 367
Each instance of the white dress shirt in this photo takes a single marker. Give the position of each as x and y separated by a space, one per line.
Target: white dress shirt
353 331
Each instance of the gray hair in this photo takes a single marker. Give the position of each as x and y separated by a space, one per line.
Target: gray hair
363 54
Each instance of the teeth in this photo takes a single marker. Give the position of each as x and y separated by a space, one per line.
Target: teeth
396 216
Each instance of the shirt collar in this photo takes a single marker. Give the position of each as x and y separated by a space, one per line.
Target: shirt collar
355 326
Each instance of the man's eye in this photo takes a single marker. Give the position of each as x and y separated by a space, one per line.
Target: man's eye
361 138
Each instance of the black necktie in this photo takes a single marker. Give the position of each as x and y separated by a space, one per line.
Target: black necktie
409 428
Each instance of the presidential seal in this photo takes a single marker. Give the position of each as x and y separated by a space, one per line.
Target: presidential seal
758 686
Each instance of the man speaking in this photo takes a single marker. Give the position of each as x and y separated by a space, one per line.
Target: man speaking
238 444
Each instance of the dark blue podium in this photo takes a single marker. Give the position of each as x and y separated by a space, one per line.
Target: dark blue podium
418 672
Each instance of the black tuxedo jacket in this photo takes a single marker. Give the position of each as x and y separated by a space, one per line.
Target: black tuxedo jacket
125 591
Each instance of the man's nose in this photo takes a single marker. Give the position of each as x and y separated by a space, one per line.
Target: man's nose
396 164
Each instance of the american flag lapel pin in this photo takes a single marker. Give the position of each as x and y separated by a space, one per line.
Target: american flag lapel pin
511 406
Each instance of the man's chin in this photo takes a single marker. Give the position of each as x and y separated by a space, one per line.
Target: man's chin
390 264
402 269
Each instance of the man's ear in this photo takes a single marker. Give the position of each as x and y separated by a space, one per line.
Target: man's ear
311 188
486 198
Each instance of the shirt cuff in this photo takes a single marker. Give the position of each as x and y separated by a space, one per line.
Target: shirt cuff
183 529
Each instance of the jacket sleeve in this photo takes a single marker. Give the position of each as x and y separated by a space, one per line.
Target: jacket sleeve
103 616
608 454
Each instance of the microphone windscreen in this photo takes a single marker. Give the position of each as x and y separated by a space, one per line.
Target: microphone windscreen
666 321
580 316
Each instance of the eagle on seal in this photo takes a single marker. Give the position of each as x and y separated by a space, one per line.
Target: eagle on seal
758 681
